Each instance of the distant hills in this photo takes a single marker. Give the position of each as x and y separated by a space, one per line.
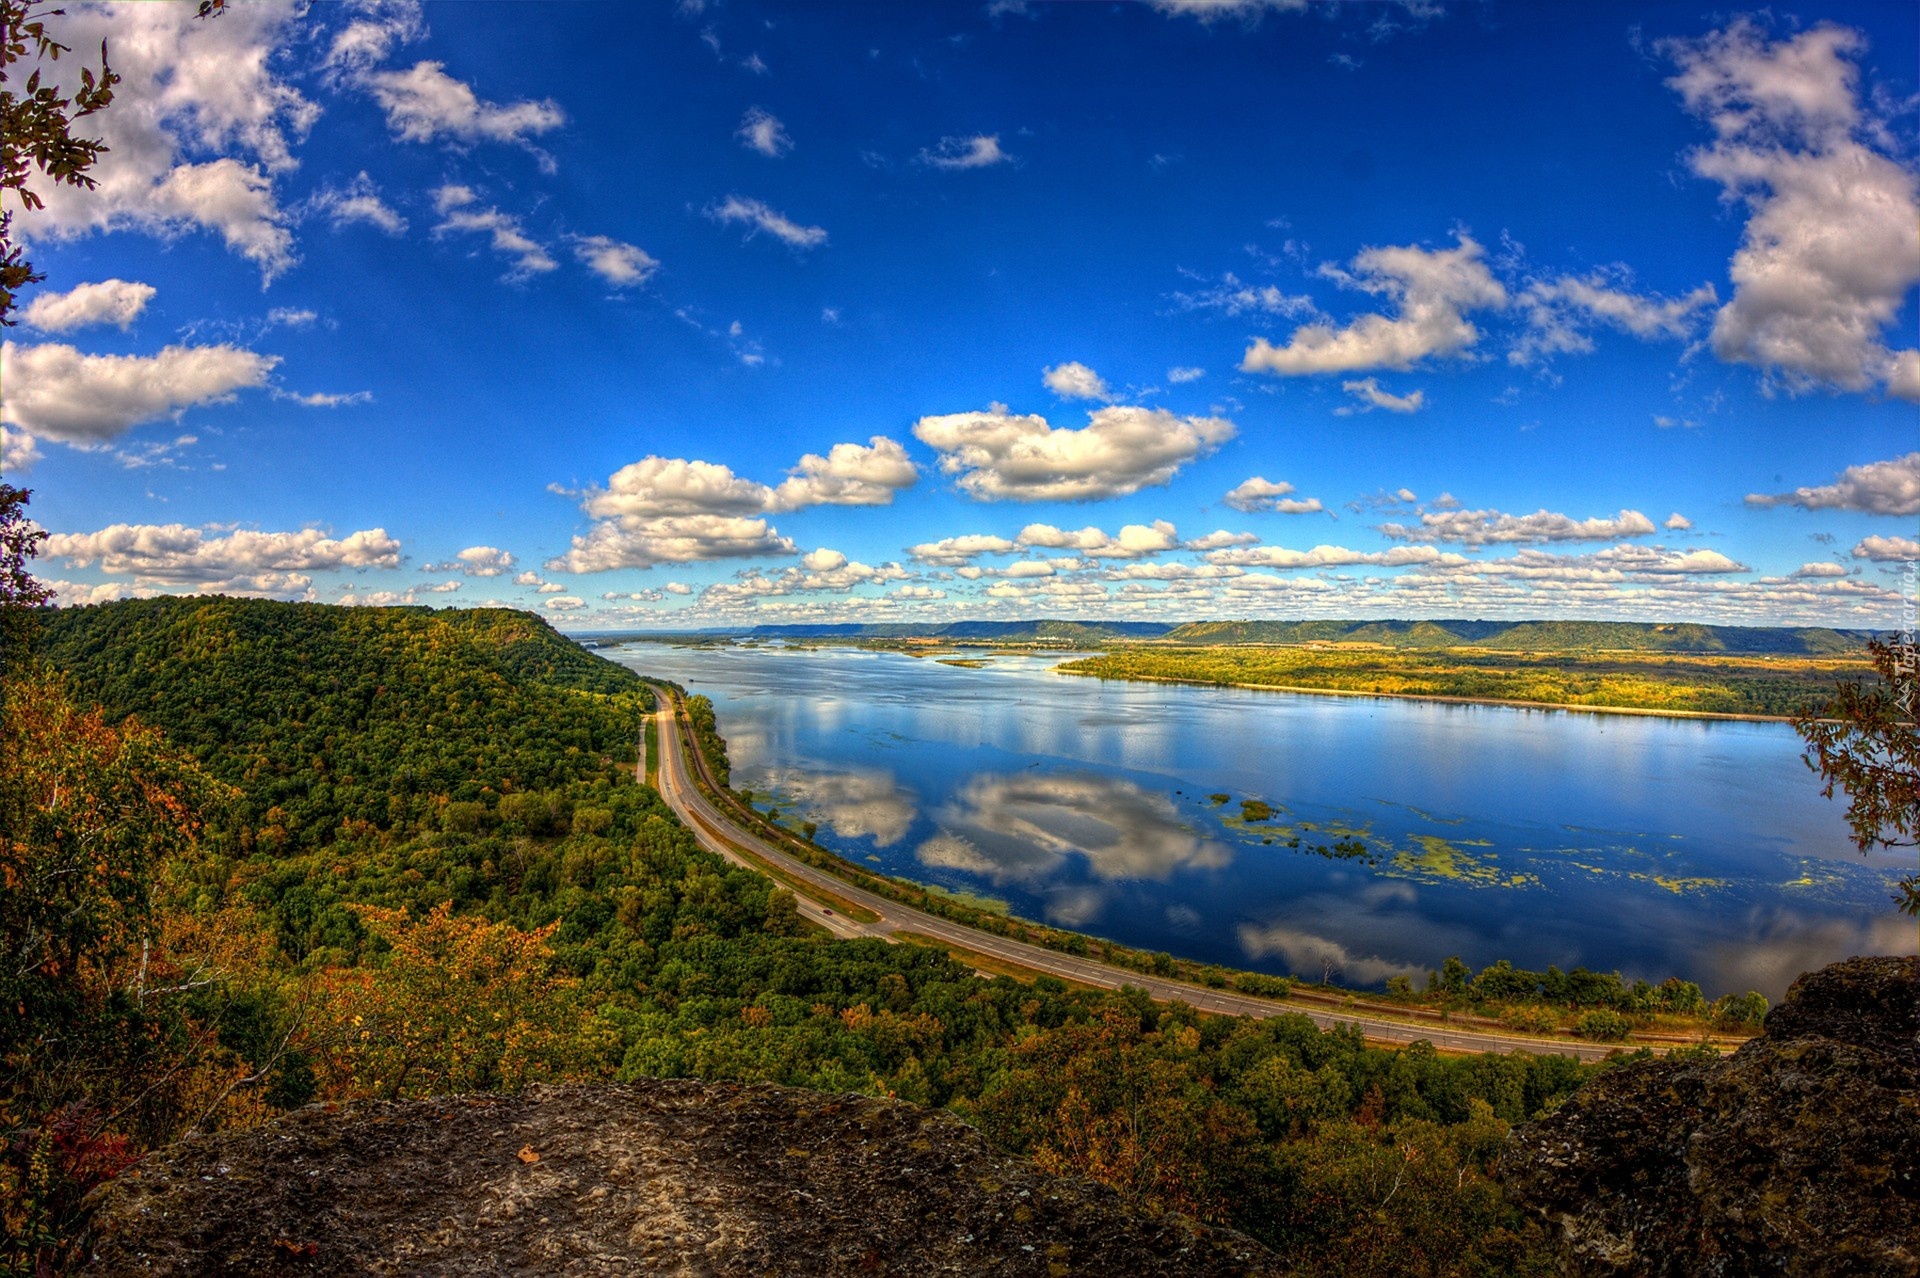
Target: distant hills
1510 636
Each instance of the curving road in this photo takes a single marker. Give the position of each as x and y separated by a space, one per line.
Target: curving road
720 834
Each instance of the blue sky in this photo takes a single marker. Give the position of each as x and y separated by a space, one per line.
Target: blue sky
700 314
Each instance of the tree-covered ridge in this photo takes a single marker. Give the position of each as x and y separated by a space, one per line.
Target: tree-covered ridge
1532 636
328 717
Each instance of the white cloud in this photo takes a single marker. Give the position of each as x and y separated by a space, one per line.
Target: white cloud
636 542
565 603
188 87
213 558
1180 375
849 475
760 131
1823 569
1677 522
460 210
1431 289
1829 253
677 588
117 302
1560 311
55 392
327 399
1133 541
977 152
485 561
952 552
370 37
1233 297
358 201
1887 550
1074 380
759 217
1876 488
618 263
424 103
445 587
1368 391
1001 456
1492 527
18 451
1221 539
1658 559
1333 557
672 510
1259 494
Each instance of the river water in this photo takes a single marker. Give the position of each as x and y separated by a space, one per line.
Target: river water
1653 847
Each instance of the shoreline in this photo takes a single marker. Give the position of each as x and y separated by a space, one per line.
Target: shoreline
1725 716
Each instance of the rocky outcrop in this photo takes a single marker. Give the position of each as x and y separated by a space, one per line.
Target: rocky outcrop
1797 1155
661 1177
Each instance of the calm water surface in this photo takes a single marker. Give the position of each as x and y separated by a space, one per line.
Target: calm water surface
1655 847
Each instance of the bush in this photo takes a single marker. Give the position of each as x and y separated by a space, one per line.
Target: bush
1602 1025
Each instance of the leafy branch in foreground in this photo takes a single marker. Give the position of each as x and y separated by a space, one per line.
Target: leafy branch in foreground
1864 740
38 126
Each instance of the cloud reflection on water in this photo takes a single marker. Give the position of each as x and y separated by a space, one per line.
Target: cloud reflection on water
854 804
1022 827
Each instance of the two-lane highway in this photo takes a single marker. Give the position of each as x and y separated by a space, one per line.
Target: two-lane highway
721 834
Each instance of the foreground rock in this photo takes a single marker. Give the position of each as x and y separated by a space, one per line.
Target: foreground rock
663 1177
1799 1154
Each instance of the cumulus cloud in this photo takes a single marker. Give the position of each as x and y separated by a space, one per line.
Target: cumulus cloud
565 603
214 558
953 552
1074 380
760 131
1133 542
1876 488
485 561
849 475
1887 550
1560 313
1368 391
977 152
117 302
1823 569
18 451
1677 522
1259 494
1221 539
358 202
760 217
635 542
55 392
461 211
1492 527
423 104
672 510
1180 375
618 263
1002 456
188 88
1431 289
1333 557
1829 252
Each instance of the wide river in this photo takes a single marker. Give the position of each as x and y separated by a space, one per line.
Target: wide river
1653 847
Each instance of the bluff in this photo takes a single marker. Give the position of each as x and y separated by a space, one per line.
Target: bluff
659 1177
1797 1155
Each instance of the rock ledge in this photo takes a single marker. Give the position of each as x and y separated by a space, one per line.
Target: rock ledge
659 1177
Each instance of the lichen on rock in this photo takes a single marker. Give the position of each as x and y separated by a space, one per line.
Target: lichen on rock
657 1177
1797 1155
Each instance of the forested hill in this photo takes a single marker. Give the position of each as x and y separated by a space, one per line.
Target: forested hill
1531 636
325 716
